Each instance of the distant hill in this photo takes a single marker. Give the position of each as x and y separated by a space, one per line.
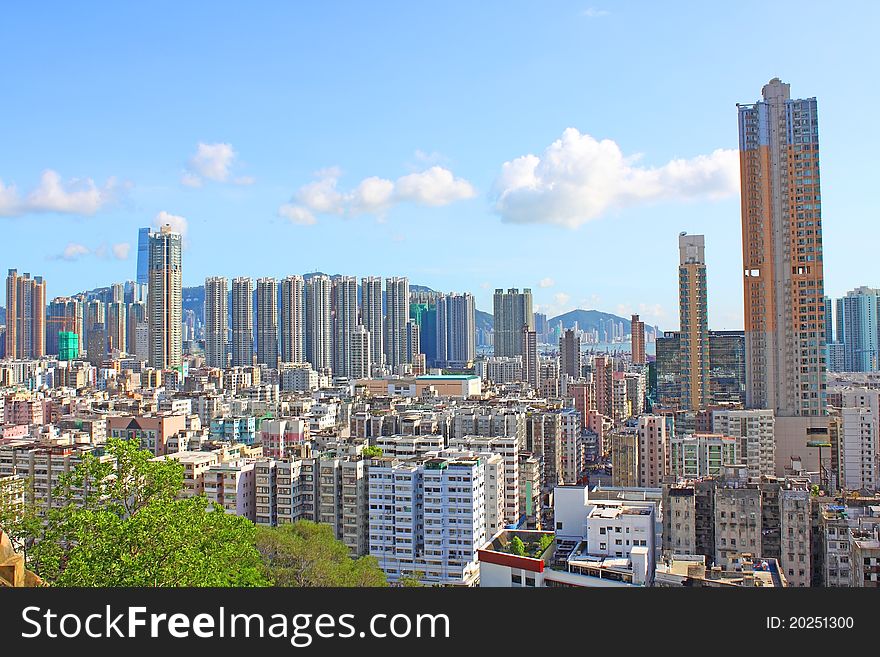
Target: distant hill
483 320
588 319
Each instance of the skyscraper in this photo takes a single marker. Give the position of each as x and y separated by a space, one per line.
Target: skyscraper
694 320
216 321
64 315
637 336
117 327
143 257
529 350
857 317
318 326
137 326
396 316
242 322
424 313
165 299
293 320
456 330
512 312
345 320
267 322
570 354
829 325
782 253
372 317
360 353
25 316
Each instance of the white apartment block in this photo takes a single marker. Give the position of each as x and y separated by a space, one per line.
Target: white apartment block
195 466
501 369
754 430
297 377
701 455
232 485
858 446
572 452
438 537
508 448
482 421
407 447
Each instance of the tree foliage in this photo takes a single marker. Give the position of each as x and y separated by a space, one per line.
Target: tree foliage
119 522
372 452
517 547
413 580
306 553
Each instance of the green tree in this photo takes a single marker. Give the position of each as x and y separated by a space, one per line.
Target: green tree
412 580
306 553
118 521
372 452
544 542
517 547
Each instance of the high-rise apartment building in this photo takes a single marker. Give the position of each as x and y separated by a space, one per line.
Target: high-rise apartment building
359 346
829 324
344 309
570 354
64 315
165 298
137 326
637 337
117 327
242 322
216 321
267 322
782 253
753 430
396 317
318 334
456 330
859 329
293 320
694 320
25 316
372 317
512 311
529 352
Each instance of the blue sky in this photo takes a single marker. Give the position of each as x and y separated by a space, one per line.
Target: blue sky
560 146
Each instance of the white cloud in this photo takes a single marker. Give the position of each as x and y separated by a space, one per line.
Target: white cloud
213 162
578 178
76 196
297 214
436 186
433 187
121 250
74 251
546 282
592 12
178 224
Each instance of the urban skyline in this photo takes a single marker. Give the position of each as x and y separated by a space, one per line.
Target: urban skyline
363 396
151 184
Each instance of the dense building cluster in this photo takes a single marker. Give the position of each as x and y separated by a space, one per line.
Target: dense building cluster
524 455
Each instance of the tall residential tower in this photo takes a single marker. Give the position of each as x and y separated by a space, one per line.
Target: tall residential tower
165 299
